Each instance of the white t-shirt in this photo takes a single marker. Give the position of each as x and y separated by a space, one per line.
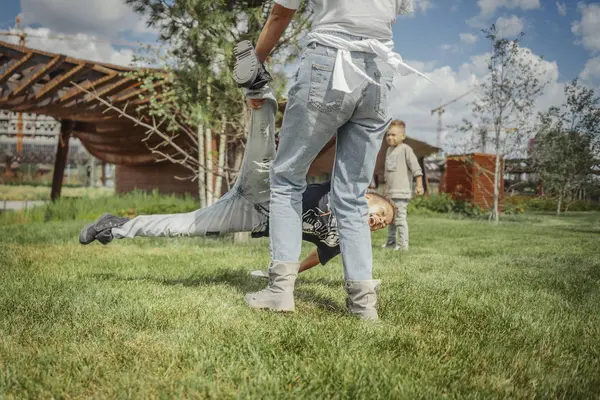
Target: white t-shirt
370 19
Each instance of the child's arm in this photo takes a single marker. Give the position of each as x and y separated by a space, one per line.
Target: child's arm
415 168
419 189
311 260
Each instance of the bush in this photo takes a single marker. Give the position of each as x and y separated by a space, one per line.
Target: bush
514 204
513 209
443 203
440 203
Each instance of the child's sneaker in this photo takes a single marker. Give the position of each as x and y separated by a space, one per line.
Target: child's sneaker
101 229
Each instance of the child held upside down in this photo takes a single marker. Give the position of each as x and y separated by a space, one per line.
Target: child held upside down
245 208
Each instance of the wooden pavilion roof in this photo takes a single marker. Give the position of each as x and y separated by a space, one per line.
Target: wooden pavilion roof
40 82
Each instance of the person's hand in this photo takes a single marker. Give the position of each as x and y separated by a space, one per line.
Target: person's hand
419 190
255 104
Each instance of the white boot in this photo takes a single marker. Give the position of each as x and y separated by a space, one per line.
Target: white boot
279 295
362 298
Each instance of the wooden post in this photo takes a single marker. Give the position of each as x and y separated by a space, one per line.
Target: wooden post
103 178
92 167
62 150
425 180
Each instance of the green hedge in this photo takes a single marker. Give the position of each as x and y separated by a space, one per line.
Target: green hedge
443 203
520 204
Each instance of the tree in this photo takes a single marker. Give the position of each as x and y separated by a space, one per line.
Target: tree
195 87
504 103
565 150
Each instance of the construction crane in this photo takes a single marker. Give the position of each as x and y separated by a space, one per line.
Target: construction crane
442 109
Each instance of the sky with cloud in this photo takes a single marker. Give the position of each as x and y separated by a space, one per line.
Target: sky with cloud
442 38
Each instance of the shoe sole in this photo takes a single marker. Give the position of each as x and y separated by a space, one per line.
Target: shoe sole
281 310
272 306
83 234
246 64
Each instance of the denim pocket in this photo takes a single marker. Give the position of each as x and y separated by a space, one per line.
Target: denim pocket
320 96
382 102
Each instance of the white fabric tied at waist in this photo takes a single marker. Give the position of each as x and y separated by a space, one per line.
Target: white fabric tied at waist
346 75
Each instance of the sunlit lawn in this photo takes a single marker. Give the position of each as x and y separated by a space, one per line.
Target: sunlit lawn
472 311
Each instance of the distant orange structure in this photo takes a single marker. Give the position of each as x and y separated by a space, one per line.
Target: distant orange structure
470 177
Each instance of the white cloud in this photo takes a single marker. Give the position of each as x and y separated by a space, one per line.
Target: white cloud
468 38
79 46
489 7
90 29
591 72
465 38
414 98
588 28
510 26
423 5
449 47
106 18
562 8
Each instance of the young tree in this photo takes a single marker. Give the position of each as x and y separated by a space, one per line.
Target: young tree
566 148
195 86
504 103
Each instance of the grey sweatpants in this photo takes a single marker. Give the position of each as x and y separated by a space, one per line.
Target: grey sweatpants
241 209
398 230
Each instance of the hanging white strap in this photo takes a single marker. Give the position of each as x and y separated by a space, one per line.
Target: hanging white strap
346 75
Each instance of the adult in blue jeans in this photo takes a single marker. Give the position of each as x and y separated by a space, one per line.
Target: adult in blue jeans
342 88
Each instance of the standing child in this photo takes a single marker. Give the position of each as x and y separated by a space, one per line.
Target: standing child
401 166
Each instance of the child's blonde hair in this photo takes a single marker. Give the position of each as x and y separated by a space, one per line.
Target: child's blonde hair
398 122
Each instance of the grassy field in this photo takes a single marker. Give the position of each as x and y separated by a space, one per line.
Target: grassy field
27 192
472 311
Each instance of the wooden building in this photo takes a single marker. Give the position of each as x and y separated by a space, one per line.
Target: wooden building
470 177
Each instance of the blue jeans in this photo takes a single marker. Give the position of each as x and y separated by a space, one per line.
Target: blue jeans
313 115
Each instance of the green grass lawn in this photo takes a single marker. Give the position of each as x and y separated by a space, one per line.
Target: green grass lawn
473 311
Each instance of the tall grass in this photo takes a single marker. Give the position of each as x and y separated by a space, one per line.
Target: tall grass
89 208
